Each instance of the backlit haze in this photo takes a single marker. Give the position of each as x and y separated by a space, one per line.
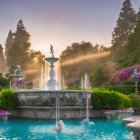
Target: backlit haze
61 22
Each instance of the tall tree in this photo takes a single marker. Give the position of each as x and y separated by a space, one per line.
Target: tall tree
138 15
19 51
2 61
125 25
133 46
8 44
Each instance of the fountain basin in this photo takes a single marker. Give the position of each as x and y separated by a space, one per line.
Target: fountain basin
48 98
42 104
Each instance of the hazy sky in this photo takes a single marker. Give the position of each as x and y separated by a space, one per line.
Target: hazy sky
61 22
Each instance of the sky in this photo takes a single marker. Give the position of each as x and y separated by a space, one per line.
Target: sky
62 22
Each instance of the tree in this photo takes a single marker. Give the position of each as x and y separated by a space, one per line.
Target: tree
133 46
98 76
138 15
8 44
78 49
125 25
2 60
19 50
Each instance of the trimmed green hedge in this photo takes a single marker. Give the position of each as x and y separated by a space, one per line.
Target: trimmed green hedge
125 89
112 100
8 99
135 101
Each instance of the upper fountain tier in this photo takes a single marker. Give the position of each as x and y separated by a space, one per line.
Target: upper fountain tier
51 59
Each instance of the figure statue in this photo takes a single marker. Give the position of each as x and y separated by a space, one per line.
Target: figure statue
18 70
51 50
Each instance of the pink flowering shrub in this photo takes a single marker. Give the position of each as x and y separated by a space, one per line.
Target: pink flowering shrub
3 112
73 83
124 74
19 82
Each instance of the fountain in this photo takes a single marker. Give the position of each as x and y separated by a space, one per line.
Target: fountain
53 103
17 76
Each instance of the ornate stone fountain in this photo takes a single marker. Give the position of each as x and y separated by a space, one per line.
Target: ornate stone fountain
42 103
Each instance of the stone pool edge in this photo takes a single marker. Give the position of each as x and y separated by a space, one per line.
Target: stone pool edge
133 125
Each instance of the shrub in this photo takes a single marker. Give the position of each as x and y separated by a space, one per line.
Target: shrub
125 89
4 82
72 88
112 100
8 99
135 102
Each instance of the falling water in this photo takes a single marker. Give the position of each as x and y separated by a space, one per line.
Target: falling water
87 115
63 85
82 83
86 82
57 111
44 77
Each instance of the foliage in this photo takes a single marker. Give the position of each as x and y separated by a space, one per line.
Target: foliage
18 52
2 60
135 101
125 89
133 46
128 82
4 82
8 44
112 100
78 49
103 73
76 59
124 75
72 88
98 77
75 83
8 99
125 25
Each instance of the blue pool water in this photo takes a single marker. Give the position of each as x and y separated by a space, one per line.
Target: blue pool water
27 129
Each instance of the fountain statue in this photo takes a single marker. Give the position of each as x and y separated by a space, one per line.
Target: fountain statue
52 83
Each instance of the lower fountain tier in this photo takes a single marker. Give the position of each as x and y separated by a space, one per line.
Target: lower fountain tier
48 112
48 98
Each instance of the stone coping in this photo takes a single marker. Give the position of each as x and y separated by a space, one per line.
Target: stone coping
3 114
53 107
53 91
133 125
131 119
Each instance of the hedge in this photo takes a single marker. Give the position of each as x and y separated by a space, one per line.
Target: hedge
125 89
135 101
112 100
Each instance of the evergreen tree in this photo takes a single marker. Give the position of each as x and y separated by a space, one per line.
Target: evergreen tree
19 51
8 44
138 15
2 61
125 25
133 46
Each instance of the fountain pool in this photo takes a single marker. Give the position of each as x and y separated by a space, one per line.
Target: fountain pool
42 129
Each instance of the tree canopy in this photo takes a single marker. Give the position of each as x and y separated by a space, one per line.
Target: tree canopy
125 26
